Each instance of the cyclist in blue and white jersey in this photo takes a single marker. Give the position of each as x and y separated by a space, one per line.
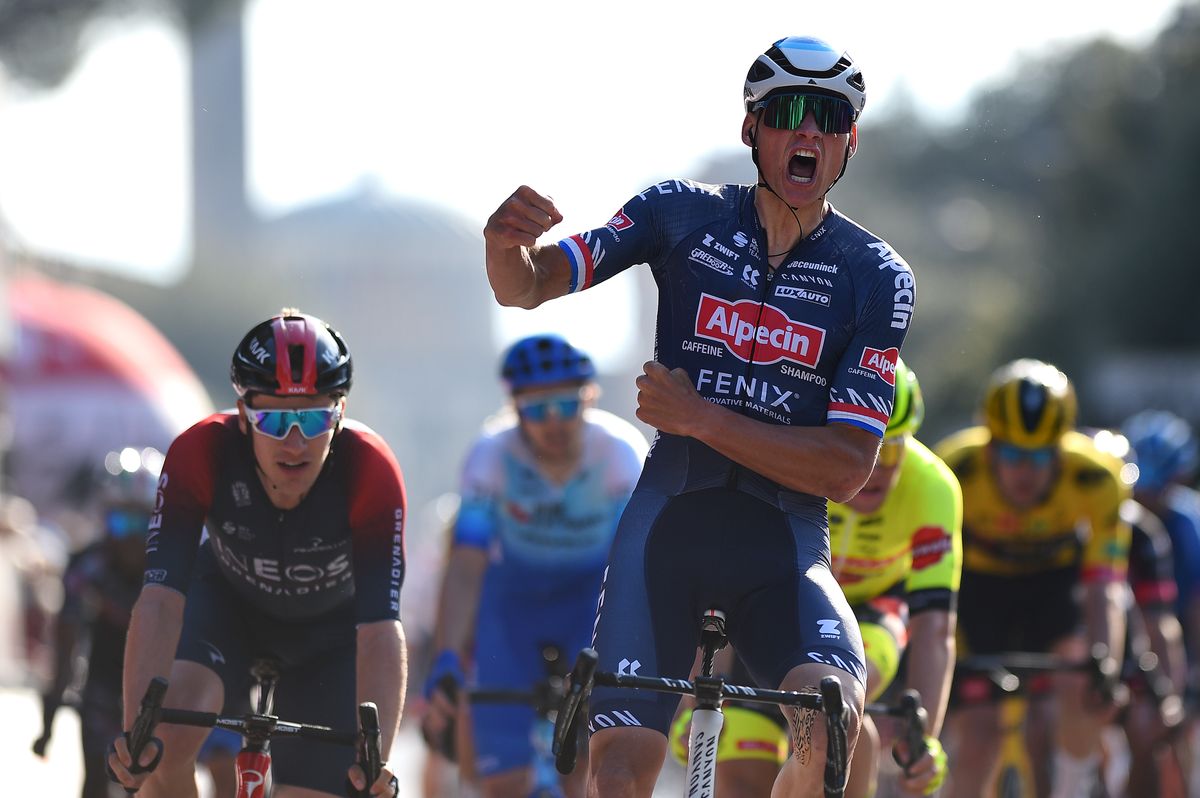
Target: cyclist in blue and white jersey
779 324
542 490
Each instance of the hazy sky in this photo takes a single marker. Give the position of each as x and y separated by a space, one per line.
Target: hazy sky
464 103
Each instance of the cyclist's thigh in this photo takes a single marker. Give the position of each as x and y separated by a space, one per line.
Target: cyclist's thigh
510 632
216 633
192 686
792 611
623 752
881 621
510 784
646 621
319 689
507 658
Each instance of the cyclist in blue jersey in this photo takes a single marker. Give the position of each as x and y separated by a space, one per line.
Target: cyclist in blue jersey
1167 454
779 324
542 489
277 529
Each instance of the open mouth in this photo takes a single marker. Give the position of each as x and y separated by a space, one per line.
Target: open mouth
291 466
802 166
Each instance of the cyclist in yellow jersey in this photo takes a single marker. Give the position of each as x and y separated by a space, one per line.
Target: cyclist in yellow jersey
1040 517
896 550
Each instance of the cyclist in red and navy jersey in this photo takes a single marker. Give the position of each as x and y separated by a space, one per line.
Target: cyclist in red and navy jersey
779 324
278 530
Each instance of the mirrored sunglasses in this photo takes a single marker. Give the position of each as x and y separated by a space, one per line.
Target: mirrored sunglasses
121 524
1015 455
312 421
538 408
890 452
787 112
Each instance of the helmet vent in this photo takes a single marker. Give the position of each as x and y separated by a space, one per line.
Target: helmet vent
759 72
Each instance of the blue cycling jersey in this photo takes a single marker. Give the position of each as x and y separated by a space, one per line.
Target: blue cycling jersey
1181 516
812 341
547 539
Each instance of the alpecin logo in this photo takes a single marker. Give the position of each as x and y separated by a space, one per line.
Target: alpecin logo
619 222
880 361
776 337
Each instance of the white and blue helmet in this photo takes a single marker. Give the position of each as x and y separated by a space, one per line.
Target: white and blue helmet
803 63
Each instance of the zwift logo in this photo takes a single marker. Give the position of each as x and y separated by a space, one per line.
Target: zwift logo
829 628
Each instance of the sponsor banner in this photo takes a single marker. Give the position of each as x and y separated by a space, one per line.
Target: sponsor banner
929 545
620 223
796 292
757 333
880 361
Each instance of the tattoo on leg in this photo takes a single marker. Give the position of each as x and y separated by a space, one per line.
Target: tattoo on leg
801 721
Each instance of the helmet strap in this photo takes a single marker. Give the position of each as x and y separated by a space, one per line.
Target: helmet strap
762 183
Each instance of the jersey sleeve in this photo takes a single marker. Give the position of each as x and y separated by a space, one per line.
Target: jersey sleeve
480 494
1151 561
1106 553
936 570
630 237
863 383
1183 525
185 493
378 507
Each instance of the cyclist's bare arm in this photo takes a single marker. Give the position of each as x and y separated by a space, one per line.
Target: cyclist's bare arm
149 651
458 605
1104 615
931 654
382 674
521 273
1166 641
832 461
150 643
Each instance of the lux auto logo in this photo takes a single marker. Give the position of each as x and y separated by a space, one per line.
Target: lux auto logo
758 333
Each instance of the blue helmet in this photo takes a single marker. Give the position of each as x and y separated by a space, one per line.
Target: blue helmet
543 360
1164 446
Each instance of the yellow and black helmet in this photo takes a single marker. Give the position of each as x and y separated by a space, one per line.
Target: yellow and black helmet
908 406
1029 404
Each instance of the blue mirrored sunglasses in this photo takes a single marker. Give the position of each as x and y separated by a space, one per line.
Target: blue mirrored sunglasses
312 421
538 408
1014 455
126 523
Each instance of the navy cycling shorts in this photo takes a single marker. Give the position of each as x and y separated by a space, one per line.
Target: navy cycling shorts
224 632
676 556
